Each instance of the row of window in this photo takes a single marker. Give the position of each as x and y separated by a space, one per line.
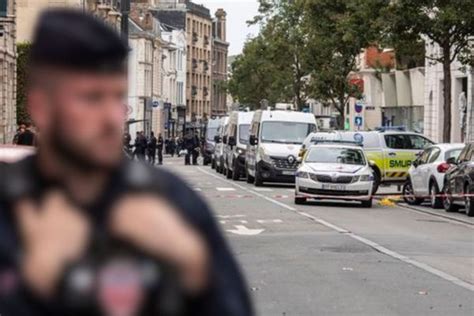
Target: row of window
199 28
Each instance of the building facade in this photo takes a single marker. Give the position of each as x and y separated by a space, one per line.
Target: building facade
174 79
29 10
7 71
141 74
462 99
196 21
220 49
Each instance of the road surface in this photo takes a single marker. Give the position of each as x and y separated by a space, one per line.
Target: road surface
340 258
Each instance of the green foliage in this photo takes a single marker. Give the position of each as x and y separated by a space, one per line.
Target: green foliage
338 31
309 48
23 51
272 65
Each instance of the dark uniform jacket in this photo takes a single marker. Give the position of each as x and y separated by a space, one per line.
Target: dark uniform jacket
227 294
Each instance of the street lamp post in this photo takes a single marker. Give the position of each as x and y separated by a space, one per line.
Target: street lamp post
125 11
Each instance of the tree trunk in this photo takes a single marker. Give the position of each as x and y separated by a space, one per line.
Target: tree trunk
447 93
342 111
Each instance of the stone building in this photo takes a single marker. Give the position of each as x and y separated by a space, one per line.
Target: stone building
197 22
145 87
7 71
220 48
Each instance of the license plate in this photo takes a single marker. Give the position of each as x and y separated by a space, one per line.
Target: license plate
337 187
288 173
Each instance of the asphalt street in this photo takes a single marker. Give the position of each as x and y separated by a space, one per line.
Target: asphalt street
340 258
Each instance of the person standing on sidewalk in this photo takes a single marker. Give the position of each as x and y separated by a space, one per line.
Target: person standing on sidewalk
189 147
152 145
160 149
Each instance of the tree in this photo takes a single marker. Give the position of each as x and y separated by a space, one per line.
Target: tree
23 52
446 23
272 65
338 31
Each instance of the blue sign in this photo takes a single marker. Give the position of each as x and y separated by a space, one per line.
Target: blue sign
359 107
358 138
156 104
358 121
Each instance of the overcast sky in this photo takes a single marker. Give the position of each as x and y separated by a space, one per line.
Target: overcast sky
238 12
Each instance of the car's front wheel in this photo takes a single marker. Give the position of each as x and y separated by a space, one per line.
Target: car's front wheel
250 179
436 198
448 201
409 194
367 203
236 173
258 179
469 201
300 200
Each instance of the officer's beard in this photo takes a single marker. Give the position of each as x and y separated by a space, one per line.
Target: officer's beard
72 154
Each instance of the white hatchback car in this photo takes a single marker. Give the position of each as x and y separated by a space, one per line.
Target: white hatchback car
335 171
426 175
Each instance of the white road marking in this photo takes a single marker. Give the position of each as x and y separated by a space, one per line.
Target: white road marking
230 216
263 221
225 189
263 189
242 230
197 189
446 276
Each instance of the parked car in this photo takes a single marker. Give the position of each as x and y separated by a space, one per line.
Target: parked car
274 142
12 153
219 148
391 151
459 182
237 141
210 142
426 174
338 171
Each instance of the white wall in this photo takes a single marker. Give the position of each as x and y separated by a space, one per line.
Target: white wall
434 97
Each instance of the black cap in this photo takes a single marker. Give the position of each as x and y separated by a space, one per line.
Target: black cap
71 39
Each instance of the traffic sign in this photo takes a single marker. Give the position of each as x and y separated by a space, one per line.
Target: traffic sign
359 107
358 121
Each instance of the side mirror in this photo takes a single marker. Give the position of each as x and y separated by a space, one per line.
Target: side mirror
452 161
415 163
217 139
224 139
232 141
253 140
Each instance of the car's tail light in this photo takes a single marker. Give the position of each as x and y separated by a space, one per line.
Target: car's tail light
442 168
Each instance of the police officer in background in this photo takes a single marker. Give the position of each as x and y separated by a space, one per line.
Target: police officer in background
151 148
84 231
160 149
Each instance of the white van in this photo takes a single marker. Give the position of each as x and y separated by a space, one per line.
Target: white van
274 143
219 149
238 131
210 142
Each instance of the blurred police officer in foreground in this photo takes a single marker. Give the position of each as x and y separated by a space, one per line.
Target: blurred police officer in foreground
84 231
